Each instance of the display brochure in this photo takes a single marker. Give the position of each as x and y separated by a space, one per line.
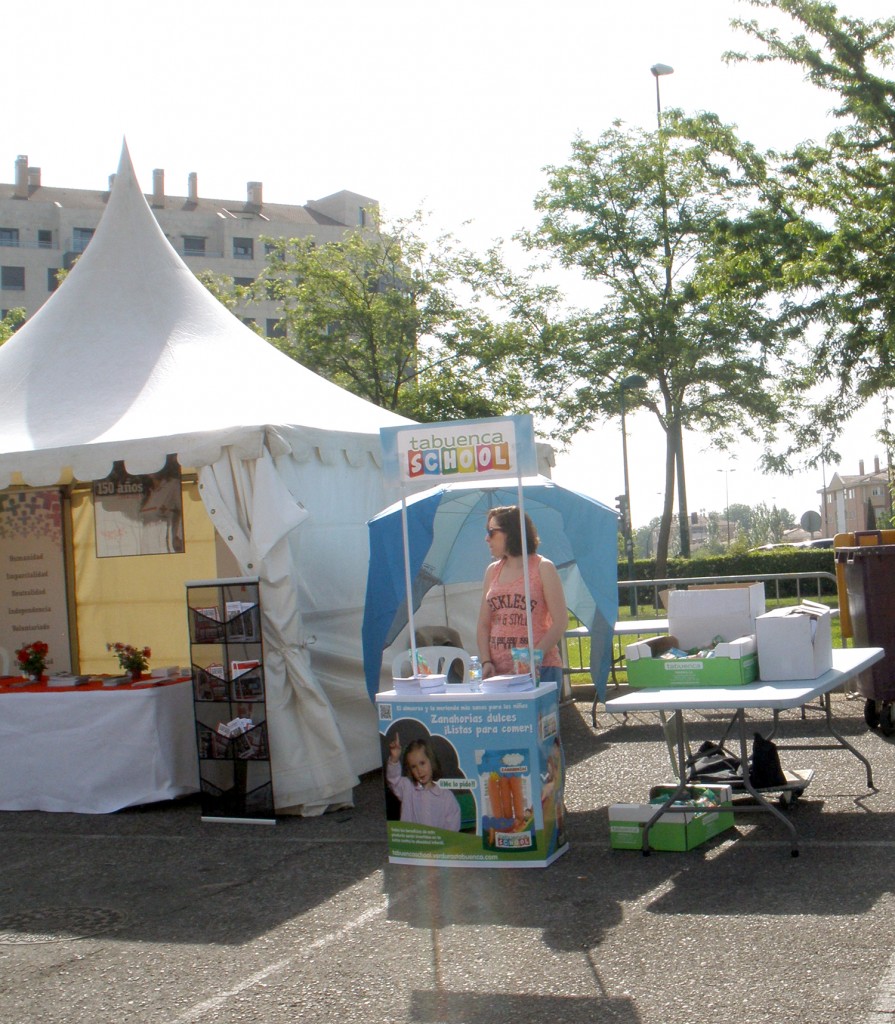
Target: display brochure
242 621
207 625
209 686
473 779
249 687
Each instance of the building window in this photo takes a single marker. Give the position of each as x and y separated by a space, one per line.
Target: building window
361 217
80 238
9 237
276 328
12 279
243 249
243 282
44 239
52 280
193 245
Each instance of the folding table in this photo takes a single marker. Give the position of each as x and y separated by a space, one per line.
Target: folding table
774 695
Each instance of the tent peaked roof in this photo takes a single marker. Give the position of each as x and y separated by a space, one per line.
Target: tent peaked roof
132 358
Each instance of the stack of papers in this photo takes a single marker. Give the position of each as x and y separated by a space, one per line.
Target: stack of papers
116 680
421 684
67 679
508 683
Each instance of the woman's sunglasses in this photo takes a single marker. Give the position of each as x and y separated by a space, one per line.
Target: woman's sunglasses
494 529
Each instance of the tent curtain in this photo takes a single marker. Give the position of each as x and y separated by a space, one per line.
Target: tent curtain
253 511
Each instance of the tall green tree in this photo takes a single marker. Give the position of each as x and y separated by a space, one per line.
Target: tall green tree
646 217
835 206
768 524
423 327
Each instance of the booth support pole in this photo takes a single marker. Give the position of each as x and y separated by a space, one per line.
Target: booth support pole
408 583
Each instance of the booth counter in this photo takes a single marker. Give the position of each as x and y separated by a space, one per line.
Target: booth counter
496 795
94 750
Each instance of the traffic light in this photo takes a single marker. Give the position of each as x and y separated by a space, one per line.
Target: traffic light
621 504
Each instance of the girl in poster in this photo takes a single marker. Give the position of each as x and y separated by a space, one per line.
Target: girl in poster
413 779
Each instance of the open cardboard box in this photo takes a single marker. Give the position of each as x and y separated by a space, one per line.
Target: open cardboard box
795 642
699 614
685 827
732 664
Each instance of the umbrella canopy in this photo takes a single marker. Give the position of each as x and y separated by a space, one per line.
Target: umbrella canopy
446 528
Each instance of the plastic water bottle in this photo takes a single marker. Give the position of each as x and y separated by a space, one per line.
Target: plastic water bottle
475 674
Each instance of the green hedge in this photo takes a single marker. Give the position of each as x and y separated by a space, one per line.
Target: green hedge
762 563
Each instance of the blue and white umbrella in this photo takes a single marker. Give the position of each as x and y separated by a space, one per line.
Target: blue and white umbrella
446 528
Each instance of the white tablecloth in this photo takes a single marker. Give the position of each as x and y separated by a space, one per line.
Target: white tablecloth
96 751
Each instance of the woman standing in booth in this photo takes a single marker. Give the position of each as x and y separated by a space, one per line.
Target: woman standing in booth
502 623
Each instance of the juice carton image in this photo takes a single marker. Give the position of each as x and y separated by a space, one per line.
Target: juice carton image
507 813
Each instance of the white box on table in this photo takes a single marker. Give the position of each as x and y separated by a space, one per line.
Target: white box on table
696 616
795 642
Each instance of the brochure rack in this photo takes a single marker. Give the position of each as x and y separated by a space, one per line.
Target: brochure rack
229 700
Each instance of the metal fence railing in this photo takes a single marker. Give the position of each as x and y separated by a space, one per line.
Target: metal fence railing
778 586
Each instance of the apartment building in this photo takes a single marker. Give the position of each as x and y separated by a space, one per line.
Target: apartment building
44 229
847 499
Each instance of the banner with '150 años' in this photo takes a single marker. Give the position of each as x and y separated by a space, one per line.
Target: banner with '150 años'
426 454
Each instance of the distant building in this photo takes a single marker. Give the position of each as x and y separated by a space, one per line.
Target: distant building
844 501
43 230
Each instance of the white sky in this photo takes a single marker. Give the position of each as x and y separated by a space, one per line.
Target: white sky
453 106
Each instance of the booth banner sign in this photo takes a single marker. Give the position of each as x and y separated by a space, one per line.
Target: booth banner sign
139 515
33 590
497 765
433 453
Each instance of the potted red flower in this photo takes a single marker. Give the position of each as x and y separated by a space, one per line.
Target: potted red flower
32 659
134 660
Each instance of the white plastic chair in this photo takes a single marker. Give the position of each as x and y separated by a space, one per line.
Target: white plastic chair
452 661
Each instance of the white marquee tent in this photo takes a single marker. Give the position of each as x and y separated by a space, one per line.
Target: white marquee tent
132 359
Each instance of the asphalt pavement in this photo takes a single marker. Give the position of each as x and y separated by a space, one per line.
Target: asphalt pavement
151 915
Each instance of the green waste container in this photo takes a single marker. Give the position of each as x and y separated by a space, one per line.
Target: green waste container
870 583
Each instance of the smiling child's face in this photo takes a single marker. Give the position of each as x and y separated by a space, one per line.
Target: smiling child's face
419 767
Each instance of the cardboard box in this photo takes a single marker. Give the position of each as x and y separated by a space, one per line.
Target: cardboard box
697 615
795 642
685 827
732 664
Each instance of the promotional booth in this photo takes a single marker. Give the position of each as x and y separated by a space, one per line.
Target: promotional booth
474 778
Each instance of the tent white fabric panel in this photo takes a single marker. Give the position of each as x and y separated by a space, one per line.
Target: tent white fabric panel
133 359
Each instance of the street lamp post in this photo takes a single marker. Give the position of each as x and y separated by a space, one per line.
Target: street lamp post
659 71
725 471
634 381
